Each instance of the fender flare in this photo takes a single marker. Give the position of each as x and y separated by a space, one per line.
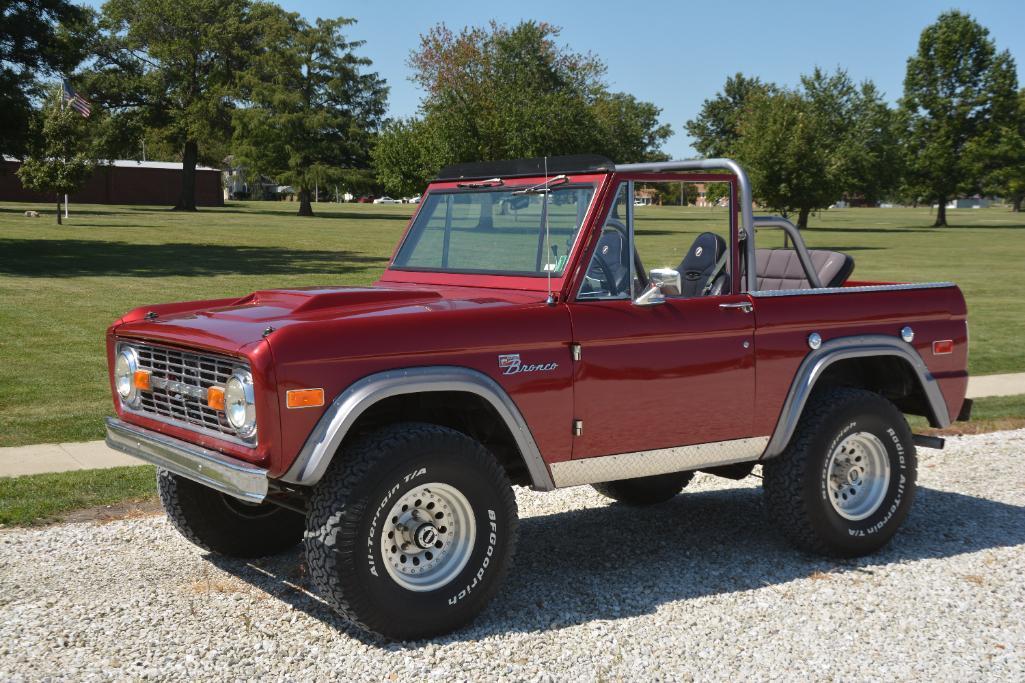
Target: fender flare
816 362
323 442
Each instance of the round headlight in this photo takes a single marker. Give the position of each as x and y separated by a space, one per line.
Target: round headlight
239 403
125 365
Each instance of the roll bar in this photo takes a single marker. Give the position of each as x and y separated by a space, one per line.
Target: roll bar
747 219
795 235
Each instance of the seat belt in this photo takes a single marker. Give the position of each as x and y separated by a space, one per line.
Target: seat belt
719 266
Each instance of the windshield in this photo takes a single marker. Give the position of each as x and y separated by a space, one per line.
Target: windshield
495 231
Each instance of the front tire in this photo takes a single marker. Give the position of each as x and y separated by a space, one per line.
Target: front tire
645 490
225 525
846 481
411 531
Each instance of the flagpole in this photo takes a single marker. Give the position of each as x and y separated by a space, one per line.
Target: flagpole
65 196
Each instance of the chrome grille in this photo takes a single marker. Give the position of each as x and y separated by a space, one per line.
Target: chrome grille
179 380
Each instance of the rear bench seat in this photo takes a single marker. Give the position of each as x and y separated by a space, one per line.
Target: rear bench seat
781 268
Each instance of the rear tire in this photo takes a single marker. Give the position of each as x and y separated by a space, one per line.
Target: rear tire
846 481
411 531
645 490
225 525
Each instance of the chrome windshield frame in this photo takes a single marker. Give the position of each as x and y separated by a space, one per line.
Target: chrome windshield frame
570 185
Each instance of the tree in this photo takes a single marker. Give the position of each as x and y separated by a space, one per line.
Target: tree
672 194
1006 176
859 132
784 147
500 93
716 128
170 67
309 109
38 38
958 92
60 160
407 155
803 148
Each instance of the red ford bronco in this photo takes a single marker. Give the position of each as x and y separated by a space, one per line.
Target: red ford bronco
518 337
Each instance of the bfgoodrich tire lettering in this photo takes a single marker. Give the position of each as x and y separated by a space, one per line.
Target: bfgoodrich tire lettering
804 485
360 501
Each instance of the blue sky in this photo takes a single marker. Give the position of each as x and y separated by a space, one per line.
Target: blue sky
677 54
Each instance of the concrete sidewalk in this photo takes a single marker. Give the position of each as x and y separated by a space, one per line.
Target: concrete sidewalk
985 386
65 457
60 457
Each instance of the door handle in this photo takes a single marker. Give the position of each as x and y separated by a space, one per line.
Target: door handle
745 306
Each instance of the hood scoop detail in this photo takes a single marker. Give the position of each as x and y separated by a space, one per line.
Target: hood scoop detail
307 300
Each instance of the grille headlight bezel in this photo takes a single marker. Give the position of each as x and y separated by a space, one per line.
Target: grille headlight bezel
125 366
240 403
180 382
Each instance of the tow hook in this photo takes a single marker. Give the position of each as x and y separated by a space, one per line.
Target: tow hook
928 441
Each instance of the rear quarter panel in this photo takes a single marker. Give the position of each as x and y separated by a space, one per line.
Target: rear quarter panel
783 324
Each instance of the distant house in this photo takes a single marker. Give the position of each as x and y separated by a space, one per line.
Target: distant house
645 197
975 202
122 181
702 198
239 185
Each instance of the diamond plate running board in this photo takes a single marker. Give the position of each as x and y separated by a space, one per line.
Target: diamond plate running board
661 461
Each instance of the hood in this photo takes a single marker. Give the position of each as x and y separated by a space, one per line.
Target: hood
228 325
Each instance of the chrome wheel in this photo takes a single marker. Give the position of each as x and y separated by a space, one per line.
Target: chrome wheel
858 474
428 537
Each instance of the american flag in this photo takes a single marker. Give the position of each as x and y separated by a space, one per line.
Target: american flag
76 101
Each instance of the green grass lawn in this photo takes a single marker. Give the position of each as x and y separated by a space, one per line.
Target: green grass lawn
43 498
61 286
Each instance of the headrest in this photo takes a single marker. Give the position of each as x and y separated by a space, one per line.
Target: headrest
698 264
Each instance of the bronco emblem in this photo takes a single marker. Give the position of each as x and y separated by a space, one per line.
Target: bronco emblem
510 365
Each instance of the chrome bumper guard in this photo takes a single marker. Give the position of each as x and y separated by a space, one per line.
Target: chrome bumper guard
210 468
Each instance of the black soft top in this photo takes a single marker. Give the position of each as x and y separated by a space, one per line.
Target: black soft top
512 168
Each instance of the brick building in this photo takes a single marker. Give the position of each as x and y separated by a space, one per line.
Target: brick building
123 182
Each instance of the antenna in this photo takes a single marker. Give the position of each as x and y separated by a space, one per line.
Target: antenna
548 246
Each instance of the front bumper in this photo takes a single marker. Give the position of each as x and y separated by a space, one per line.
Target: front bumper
210 468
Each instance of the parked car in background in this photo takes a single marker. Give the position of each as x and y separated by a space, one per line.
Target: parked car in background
364 200
412 200
387 200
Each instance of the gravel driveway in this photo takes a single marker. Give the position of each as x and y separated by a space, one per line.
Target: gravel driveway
697 588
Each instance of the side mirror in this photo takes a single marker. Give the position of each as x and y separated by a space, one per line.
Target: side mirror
664 282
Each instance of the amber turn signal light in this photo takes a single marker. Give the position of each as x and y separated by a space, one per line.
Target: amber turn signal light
141 380
943 347
215 398
304 398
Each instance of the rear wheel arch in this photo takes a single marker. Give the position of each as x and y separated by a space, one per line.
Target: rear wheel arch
878 363
892 377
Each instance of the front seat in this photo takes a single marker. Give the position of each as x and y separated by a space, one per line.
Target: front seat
614 253
698 266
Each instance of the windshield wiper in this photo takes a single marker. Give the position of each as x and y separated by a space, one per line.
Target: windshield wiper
494 182
542 188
